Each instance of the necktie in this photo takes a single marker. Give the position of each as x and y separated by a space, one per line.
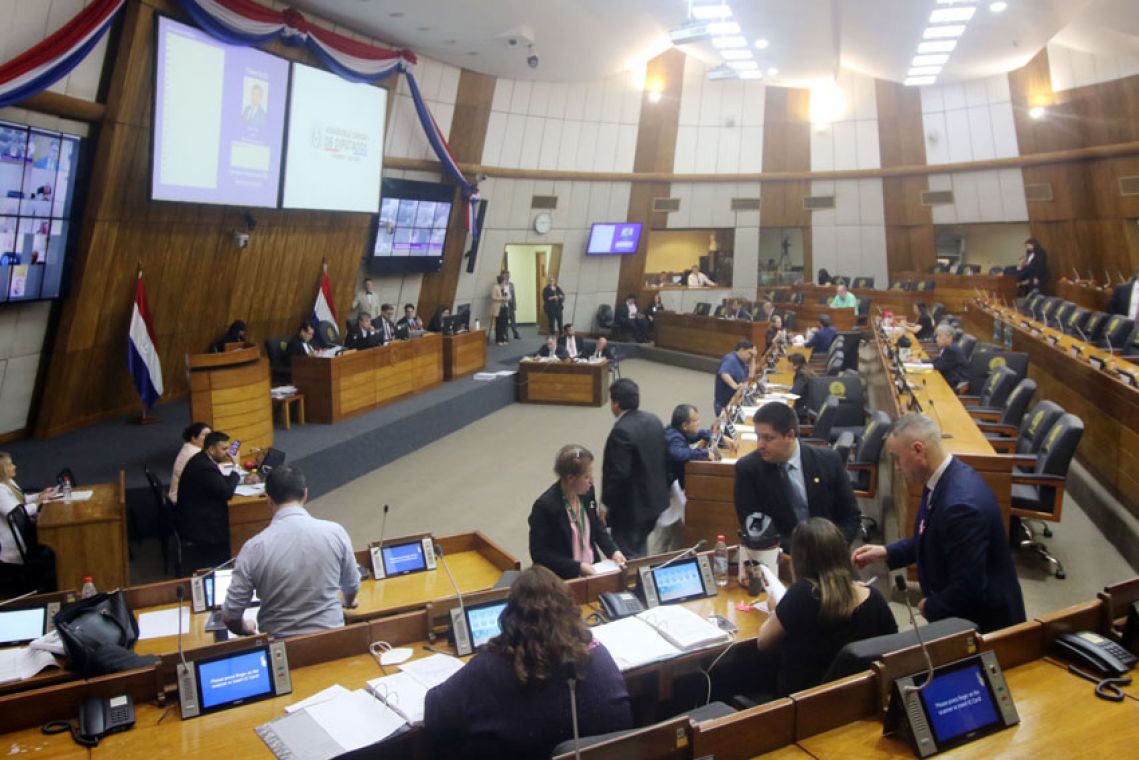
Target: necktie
795 492
923 508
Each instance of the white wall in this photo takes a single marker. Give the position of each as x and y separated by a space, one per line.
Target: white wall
23 23
1070 67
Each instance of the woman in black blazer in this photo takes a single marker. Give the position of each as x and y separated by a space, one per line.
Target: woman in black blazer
565 531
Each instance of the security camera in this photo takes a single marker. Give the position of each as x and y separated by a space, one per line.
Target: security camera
532 61
241 238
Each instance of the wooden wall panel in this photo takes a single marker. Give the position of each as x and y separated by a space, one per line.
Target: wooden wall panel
901 142
786 148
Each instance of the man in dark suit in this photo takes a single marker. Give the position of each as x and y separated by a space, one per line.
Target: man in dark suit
301 343
1032 273
821 341
363 335
551 349
951 362
959 544
630 317
203 501
572 344
386 326
634 474
790 482
601 350
410 320
1125 298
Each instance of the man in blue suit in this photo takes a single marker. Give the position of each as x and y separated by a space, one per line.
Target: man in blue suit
959 543
821 341
951 362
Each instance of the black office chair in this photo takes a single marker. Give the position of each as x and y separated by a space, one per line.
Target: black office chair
1039 495
781 296
277 350
857 656
924 286
937 312
850 342
39 560
967 343
167 527
901 285
939 269
657 740
604 320
835 363
996 270
797 297
863 282
1026 438
825 417
847 387
986 359
1116 332
1094 326
862 468
1061 314
1012 412
327 335
1075 320
702 309
995 390
790 320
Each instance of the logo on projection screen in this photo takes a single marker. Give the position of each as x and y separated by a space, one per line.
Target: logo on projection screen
316 137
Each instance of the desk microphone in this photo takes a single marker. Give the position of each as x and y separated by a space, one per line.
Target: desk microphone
6 602
690 550
378 555
443 559
570 672
900 583
1039 318
1083 335
180 592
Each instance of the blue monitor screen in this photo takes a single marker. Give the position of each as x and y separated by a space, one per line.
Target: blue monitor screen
404 558
483 622
233 679
958 702
679 581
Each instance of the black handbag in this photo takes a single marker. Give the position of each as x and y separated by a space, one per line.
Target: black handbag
98 634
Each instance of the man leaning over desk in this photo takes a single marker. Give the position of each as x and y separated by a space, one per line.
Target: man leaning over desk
299 566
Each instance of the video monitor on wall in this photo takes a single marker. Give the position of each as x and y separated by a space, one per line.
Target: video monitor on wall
619 238
38 170
334 151
219 120
411 229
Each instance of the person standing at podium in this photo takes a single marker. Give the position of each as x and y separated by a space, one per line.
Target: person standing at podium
959 543
203 501
235 334
566 535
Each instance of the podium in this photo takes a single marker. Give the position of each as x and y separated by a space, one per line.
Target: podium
230 392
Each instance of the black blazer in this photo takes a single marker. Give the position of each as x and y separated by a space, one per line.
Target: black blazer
964 564
1036 271
356 339
759 488
951 363
203 500
607 353
296 347
584 347
553 304
634 475
621 314
551 542
1121 300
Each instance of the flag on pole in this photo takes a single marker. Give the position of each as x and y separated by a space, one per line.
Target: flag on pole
142 350
323 310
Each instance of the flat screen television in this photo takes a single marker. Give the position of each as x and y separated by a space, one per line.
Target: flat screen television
38 180
618 238
411 229
219 120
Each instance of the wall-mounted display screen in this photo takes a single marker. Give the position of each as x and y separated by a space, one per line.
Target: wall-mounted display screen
621 238
37 190
219 119
411 228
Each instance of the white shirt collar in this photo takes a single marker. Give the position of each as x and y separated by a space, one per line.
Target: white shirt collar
931 484
796 460
289 510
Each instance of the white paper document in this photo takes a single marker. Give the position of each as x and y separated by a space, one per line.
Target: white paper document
255 489
775 588
334 691
433 670
23 662
160 623
605 566
683 628
402 693
356 719
632 643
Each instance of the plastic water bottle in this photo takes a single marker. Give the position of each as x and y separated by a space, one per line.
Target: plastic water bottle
720 562
66 488
88 589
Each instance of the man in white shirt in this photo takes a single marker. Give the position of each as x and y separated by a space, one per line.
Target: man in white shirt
697 279
367 299
571 344
1125 298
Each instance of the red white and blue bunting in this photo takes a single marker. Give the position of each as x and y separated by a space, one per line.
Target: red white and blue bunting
44 64
245 22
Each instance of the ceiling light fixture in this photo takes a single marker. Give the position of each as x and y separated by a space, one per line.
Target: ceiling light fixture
929 60
827 103
722 72
706 12
918 81
998 7
922 71
937 46
739 54
724 27
950 15
743 65
761 44
1037 112
943 32
751 75
772 72
736 41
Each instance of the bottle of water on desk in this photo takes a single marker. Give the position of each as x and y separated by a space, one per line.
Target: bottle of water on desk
67 488
720 562
88 589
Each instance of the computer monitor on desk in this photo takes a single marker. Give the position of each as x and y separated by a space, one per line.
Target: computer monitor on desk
400 556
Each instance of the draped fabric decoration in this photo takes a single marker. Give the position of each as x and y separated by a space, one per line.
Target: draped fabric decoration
45 63
245 22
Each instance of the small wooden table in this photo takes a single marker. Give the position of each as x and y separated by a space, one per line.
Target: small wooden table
89 537
558 382
285 403
463 354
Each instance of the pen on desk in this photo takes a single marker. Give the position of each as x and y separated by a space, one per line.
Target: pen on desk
436 650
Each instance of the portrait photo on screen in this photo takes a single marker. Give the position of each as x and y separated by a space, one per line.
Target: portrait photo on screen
219 120
334 152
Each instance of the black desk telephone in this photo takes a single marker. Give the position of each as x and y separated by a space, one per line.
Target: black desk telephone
97 718
1095 651
620 604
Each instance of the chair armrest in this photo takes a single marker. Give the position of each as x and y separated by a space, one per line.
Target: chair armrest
961 387
1021 460
1039 479
1005 430
988 413
821 443
970 400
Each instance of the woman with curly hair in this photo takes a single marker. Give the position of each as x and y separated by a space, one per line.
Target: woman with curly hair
513 699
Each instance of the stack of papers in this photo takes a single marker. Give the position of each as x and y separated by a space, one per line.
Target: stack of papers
24 662
162 623
660 633
917 366
281 391
683 628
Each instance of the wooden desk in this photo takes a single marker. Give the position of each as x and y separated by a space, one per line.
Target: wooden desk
1084 293
358 381
808 315
957 290
463 354
558 382
89 537
230 391
248 516
705 336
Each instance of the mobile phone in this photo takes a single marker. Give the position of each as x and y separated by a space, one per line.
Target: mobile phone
723 623
233 447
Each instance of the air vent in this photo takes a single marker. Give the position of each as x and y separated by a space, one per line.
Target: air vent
1129 185
666 205
818 202
547 202
936 197
1041 191
745 204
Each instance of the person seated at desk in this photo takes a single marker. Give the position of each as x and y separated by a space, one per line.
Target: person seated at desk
734 311
573 346
566 535
410 320
629 317
511 700
386 324
235 334
697 279
844 299
766 312
601 350
923 328
436 324
656 307
551 350
800 383
299 566
821 341
734 368
364 334
775 332
193 440
39 571
951 362
1125 298
301 343
203 501
687 442
822 611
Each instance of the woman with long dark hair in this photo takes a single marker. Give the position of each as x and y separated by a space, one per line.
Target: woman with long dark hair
823 610
513 699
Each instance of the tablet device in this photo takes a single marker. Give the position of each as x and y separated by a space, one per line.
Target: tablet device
678 581
22 626
236 678
476 624
402 556
216 586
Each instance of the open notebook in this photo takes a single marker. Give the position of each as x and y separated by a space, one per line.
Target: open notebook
659 633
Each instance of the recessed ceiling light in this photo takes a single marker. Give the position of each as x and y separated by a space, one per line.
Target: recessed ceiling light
929 60
724 27
751 75
729 42
739 54
1037 112
918 81
773 72
937 46
761 44
743 65
942 32
949 15
998 7
706 11
922 71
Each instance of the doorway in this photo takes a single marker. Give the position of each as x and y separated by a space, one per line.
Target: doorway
530 267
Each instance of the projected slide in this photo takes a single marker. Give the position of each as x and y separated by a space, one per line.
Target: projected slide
334 153
219 118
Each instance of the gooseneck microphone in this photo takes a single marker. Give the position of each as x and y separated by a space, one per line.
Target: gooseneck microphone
900 583
180 592
6 602
443 559
690 550
570 672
